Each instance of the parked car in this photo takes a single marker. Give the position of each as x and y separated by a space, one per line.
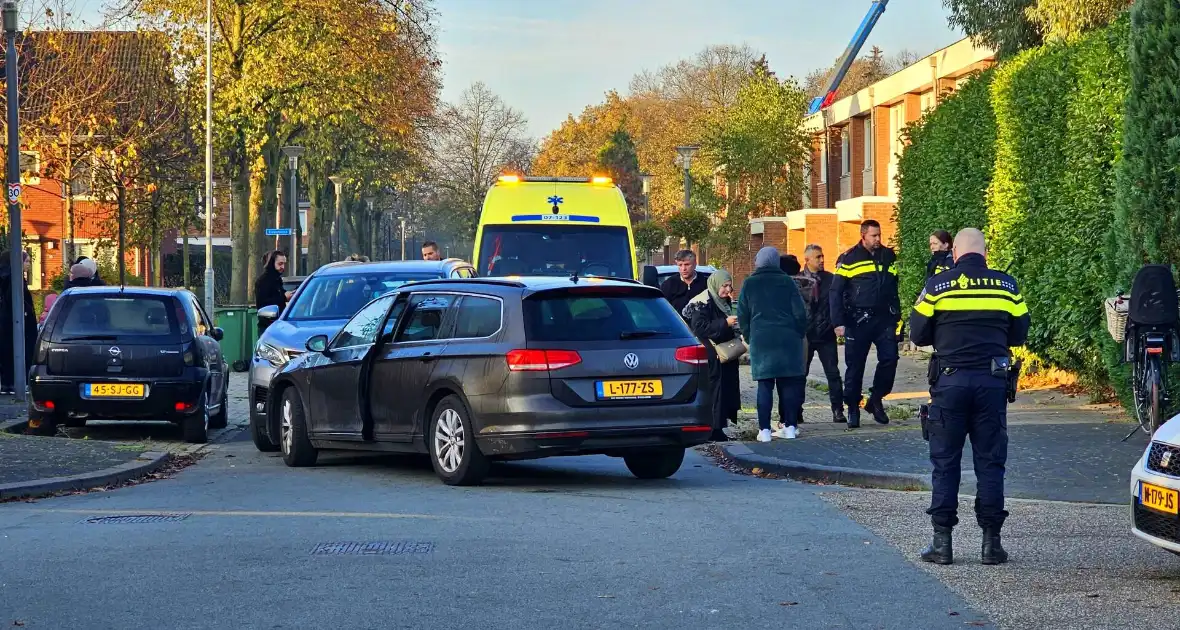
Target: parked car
323 302
126 353
655 275
470 371
1155 489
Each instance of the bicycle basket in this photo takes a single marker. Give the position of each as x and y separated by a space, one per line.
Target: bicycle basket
1116 318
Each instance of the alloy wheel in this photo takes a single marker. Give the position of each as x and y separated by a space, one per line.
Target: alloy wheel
448 440
285 427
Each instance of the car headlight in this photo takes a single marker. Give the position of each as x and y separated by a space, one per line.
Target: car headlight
274 355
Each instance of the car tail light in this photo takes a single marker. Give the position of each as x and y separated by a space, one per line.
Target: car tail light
44 405
1155 350
696 429
541 360
694 355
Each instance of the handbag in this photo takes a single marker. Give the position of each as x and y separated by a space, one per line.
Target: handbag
729 350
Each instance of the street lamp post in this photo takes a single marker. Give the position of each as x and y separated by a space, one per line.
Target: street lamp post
686 152
645 179
338 182
402 220
293 153
373 227
209 277
16 259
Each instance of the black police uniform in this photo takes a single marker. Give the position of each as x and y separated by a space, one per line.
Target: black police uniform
938 263
972 315
864 300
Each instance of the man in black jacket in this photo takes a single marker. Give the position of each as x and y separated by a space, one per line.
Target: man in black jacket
268 288
687 284
821 338
866 311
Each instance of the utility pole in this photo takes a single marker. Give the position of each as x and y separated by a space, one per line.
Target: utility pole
16 258
209 304
293 153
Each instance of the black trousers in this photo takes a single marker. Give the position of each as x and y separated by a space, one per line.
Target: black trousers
968 403
829 358
876 331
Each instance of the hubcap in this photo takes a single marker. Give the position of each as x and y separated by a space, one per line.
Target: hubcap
285 427
448 440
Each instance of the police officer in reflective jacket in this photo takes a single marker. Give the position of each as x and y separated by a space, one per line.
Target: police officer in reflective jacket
972 315
866 311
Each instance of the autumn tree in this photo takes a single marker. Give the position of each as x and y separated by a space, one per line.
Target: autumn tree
572 150
1003 25
477 137
619 159
1060 20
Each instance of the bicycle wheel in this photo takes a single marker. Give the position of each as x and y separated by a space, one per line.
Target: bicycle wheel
1155 392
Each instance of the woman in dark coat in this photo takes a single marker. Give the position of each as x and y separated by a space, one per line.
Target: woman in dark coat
712 318
941 258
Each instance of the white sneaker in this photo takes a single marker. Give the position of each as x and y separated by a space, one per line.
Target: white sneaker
764 435
787 433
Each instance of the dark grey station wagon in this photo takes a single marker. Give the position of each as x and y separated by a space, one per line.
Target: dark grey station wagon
474 370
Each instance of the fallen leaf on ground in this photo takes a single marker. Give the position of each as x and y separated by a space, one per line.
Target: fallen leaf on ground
788 603
953 613
757 471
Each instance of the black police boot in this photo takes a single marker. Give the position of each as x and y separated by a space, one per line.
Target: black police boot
838 416
854 417
939 551
993 553
877 408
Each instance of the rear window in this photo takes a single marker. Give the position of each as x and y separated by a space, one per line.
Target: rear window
600 317
103 316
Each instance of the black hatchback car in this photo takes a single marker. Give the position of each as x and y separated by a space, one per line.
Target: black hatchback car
470 371
128 353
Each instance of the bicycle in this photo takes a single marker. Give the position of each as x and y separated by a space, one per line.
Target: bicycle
1146 324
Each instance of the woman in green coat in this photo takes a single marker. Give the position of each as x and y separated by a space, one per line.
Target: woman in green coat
773 321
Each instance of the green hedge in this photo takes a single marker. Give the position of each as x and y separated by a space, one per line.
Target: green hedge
943 175
1057 113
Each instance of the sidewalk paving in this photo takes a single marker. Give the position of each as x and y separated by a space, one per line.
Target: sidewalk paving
1060 447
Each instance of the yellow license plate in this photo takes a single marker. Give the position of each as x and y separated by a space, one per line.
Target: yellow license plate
633 390
1157 498
114 390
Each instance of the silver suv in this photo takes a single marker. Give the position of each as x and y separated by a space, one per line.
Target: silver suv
324 302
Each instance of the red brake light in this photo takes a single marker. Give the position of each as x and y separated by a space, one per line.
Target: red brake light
47 405
541 360
695 355
1155 350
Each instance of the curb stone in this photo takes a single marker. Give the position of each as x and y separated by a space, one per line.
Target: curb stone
741 455
147 462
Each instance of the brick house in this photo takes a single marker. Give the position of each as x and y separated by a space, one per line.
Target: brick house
124 62
856 142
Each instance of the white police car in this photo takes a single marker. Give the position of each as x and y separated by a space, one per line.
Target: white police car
1155 489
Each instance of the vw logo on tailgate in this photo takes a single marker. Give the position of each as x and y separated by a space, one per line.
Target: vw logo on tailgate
631 360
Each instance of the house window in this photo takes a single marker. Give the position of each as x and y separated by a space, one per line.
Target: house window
30 163
868 122
846 151
927 101
82 182
897 116
823 162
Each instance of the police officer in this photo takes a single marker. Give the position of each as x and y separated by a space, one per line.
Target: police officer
972 315
866 311
941 257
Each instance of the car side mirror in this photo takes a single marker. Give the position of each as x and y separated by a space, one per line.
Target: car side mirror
318 343
651 276
217 334
268 312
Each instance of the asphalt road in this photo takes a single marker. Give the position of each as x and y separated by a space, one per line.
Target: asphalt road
571 543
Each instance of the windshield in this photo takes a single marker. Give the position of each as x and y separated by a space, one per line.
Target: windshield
555 250
341 296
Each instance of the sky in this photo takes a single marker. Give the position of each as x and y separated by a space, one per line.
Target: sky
552 58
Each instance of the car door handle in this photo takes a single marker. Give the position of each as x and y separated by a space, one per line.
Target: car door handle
426 357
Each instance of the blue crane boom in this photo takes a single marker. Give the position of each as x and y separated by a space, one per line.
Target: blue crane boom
858 41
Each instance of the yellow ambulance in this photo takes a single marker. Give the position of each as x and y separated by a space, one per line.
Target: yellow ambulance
555 226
